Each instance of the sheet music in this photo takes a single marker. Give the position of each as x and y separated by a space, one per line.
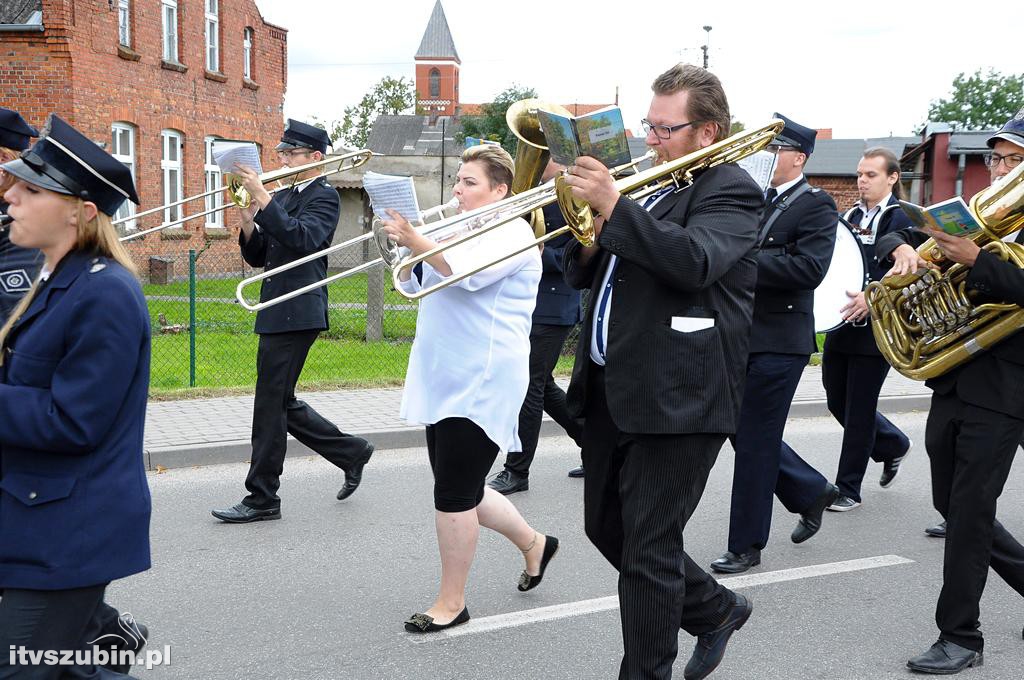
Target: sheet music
760 166
392 191
229 154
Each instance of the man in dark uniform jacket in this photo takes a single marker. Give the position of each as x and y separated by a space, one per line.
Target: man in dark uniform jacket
18 266
975 424
557 311
659 372
796 238
295 223
853 370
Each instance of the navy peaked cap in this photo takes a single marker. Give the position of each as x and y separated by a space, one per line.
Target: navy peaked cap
298 134
66 161
796 135
1013 131
14 131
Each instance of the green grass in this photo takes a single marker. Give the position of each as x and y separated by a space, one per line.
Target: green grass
351 289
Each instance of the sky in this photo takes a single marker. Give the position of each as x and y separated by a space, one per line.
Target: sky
869 71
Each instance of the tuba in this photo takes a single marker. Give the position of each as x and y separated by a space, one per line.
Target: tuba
531 151
928 323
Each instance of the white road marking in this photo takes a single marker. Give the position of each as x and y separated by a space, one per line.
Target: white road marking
487 624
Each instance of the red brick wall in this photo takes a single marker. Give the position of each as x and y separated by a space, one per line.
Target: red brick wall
449 85
76 69
842 189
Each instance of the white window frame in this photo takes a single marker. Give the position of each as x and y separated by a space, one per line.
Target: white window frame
169 21
214 180
212 35
119 132
247 36
170 172
124 22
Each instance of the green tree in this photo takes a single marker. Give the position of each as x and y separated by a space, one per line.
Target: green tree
389 96
979 102
491 123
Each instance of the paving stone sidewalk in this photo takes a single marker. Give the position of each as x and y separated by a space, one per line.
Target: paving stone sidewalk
208 431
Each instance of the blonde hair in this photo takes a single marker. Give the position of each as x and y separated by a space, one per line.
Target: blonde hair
497 162
10 179
96 235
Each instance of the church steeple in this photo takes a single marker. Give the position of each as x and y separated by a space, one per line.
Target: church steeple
437 67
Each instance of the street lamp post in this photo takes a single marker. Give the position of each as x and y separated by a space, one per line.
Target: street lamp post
707 42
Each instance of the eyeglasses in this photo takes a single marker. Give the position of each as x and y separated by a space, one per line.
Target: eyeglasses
665 131
776 148
291 153
1011 160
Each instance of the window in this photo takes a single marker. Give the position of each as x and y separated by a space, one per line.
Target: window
435 83
122 148
213 181
124 20
170 24
247 53
212 36
170 167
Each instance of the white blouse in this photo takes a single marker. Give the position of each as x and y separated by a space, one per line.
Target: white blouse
471 355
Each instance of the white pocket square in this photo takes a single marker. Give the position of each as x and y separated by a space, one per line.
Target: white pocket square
689 324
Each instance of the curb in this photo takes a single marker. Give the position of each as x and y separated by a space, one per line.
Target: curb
168 457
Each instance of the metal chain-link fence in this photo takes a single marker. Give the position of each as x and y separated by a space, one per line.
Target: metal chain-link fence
202 337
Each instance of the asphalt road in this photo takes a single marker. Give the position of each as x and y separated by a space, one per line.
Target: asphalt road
323 592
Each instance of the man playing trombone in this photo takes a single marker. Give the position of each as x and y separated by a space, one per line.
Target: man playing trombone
659 372
276 231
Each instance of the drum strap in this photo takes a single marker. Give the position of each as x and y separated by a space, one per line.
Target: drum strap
780 207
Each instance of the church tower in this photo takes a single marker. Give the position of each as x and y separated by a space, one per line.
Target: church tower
437 68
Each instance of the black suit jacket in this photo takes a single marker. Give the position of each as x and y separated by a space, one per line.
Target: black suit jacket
792 261
859 340
295 224
691 256
558 303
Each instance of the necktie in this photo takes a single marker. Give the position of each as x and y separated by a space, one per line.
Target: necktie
770 196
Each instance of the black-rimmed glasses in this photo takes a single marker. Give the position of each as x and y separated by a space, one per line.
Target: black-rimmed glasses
665 131
1011 160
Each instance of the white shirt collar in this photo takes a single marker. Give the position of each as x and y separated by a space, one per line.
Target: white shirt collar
881 204
783 188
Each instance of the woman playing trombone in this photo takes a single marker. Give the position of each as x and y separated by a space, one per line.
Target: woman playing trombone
467 377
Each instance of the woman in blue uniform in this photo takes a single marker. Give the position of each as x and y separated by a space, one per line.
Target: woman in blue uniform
74 373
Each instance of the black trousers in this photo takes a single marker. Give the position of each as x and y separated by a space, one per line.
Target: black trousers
543 394
460 456
277 413
52 620
639 492
765 464
971 450
852 384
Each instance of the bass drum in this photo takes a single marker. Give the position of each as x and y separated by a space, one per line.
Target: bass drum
846 271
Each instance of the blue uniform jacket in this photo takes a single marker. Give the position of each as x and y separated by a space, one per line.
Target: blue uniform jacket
74 501
558 303
18 269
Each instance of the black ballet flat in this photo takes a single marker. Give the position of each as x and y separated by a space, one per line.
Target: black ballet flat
527 582
421 623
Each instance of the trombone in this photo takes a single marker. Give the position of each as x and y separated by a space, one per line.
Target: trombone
240 197
578 214
437 211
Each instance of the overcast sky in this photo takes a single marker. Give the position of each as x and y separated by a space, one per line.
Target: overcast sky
870 72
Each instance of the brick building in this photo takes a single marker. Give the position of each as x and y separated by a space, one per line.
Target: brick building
153 82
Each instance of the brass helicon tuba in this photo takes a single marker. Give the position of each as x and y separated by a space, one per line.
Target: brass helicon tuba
928 323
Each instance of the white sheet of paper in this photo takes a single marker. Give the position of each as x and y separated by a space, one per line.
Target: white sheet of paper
689 324
229 154
760 166
392 191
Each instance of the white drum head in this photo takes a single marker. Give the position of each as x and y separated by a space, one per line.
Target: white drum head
846 271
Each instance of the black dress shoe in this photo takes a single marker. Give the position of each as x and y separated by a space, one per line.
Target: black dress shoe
937 531
128 636
810 519
576 472
355 475
891 468
421 623
945 658
711 646
506 482
731 563
527 582
242 513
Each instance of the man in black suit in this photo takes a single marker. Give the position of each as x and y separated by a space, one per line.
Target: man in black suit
975 424
557 311
796 236
276 231
659 372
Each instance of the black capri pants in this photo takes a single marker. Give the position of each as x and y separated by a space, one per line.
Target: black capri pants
461 455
